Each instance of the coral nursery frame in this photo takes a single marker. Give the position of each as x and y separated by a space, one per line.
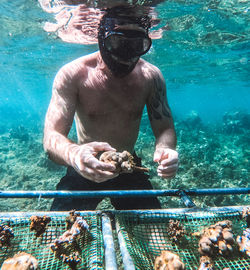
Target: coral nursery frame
128 222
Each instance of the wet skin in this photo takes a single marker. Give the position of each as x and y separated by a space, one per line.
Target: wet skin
107 111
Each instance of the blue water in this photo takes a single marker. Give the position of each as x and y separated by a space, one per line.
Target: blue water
208 75
203 54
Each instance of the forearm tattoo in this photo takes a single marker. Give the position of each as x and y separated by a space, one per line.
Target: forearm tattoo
157 106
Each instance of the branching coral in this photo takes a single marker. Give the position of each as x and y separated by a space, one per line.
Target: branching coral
72 260
246 216
70 220
175 230
123 161
217 238
244 242
206 263
6 233
168 261
66 247
21 261
38 224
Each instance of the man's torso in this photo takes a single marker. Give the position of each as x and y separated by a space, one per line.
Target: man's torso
109 109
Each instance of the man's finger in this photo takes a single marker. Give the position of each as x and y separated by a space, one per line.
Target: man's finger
168 162
94 163
168 169
158 155
101 146
166 175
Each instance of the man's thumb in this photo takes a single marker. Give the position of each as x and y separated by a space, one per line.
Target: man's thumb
157 155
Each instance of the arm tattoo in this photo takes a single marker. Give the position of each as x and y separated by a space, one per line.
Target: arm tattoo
158 107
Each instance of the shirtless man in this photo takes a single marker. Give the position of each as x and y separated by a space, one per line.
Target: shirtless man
106 92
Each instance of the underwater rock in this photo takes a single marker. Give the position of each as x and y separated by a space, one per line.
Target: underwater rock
206 263
244 242
175 230
38 224
193 120
217 238
123 161
66 247
168 261
21 261
6 233
236 122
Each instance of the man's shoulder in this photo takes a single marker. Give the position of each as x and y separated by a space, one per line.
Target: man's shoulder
82 62
78 66
149 70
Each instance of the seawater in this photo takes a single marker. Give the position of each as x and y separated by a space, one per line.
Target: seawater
204 57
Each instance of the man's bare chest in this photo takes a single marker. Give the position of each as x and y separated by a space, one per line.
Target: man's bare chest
112 100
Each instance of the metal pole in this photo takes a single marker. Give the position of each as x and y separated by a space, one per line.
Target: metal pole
186 199
126 258
109 247
121 193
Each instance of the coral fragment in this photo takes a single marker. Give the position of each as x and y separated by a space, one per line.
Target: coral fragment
168 261
244 242
6 233
123 161
38 224
175 230
217 238
20 261
66 247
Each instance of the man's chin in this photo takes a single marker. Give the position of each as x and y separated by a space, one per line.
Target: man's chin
128 62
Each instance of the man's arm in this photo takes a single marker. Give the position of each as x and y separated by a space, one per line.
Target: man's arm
163 127
58 122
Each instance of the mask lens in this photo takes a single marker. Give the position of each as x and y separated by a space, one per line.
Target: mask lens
120 44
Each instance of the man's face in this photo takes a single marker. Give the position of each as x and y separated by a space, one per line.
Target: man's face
122 45
126 43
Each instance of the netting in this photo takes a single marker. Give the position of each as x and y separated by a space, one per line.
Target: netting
146 235
91 243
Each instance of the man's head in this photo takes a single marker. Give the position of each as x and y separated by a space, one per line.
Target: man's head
123 38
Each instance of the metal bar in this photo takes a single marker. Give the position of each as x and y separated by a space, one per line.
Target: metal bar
137 212
126 258
87 194
10 215
186 199
120 193
109 247
185 211
217 191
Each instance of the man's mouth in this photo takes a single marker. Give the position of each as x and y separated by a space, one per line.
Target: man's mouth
128 62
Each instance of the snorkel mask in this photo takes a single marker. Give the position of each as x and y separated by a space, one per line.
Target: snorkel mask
121 48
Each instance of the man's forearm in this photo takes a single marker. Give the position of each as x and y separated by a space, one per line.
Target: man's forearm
59 148
166 139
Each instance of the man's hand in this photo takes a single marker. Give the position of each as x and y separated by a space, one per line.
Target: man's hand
168 162
84 161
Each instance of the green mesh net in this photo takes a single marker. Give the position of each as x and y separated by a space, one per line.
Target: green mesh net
91 243
146 235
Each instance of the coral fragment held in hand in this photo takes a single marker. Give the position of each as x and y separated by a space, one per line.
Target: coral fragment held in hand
123 161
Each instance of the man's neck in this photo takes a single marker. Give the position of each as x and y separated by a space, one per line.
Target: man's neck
105 71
